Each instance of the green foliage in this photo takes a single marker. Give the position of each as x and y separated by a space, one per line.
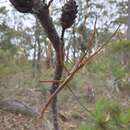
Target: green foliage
102 64
109 63
83 127
5 71
117 46
9 65
118 70
106 65
109 115
100 110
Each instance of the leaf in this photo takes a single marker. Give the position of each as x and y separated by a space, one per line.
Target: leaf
108 117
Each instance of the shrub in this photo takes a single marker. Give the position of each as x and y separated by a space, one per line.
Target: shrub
109 115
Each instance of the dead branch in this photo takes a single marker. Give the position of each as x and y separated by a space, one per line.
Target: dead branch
49 3
50 81
80 103
74 70
17 107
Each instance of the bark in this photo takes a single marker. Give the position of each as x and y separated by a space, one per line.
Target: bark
42 13
49 56
58 75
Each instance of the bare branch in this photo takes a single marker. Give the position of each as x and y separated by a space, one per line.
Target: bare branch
80 103
50 81
49 3
74 71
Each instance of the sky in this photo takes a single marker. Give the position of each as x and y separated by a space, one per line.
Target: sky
15 18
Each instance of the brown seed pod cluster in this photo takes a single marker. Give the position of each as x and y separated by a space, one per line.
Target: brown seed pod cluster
69 12
23 6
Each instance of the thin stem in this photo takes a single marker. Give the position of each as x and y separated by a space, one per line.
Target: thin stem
50 81
62 33
73 72
49 3
80 103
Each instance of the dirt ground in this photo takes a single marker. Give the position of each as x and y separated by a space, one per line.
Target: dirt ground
24 88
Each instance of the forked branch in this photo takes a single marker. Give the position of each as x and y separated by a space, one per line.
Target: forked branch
74 70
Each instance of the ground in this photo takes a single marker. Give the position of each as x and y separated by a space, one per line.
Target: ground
23 87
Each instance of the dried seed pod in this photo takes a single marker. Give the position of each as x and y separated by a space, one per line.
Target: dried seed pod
69 11
23 6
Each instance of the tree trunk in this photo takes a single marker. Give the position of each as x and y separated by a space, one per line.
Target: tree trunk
34 62
49 56
38 56
58 45
58 75
39 45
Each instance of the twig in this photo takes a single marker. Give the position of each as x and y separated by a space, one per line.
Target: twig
87 59
90 42
73 72
50 81
70 76
49 3
62 33
77 99
69 60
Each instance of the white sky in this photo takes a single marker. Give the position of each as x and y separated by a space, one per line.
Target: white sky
15 17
